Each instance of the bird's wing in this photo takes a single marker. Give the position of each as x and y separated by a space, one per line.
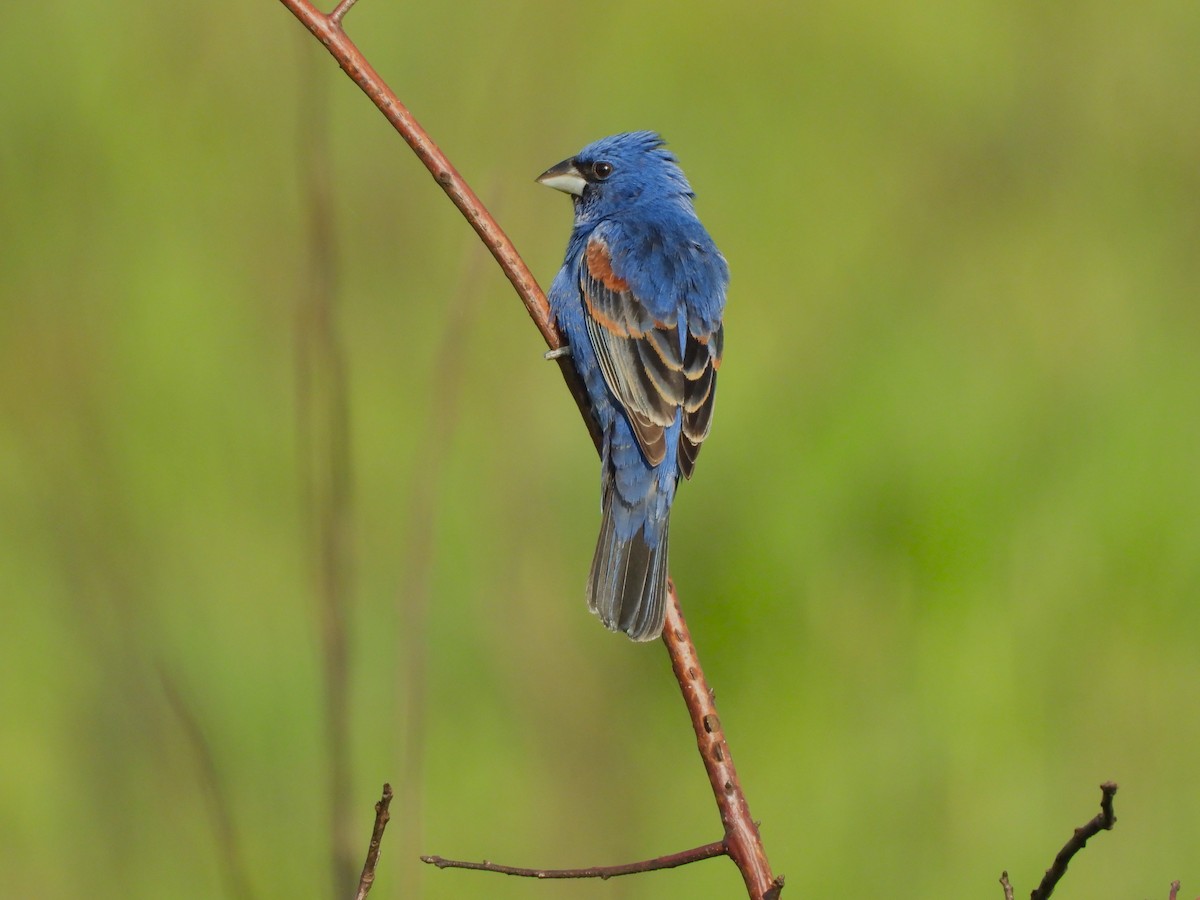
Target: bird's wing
701 360
641 357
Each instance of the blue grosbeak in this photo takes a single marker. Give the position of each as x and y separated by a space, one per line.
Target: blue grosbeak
639 297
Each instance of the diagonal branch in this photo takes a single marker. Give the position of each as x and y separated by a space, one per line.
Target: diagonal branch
742 840
329 32
741 834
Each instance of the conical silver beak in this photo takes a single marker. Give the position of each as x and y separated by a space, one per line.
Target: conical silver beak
564 177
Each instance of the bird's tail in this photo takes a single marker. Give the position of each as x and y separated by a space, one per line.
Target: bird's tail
627 587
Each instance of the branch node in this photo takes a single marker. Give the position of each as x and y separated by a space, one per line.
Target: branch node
775 890
339 13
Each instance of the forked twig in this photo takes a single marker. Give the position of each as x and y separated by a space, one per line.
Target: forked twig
742 841
340 11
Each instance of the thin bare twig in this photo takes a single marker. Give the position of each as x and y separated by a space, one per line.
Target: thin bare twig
742 837
670 861
1102 821
382 817
1174 890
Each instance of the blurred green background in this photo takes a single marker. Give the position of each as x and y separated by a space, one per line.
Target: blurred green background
941 556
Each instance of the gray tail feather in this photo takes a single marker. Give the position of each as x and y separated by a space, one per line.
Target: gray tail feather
627 587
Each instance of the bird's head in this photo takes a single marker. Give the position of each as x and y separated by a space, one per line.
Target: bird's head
617 172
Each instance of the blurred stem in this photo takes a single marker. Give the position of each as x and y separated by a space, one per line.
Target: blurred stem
413 598
323 438
233 865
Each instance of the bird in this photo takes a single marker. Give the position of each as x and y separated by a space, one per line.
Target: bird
640 298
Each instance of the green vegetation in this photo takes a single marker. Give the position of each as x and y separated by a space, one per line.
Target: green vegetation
941 555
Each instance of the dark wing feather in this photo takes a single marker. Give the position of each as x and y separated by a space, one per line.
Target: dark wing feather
640 358
702 359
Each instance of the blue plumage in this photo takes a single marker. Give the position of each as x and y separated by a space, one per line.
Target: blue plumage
640 298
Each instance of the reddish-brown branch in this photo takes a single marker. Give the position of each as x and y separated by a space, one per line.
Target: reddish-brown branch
741 834
382 817
328 31
670 861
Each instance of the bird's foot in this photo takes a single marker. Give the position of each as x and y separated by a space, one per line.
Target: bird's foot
559 352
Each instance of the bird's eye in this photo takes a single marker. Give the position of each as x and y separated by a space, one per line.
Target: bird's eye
601 170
